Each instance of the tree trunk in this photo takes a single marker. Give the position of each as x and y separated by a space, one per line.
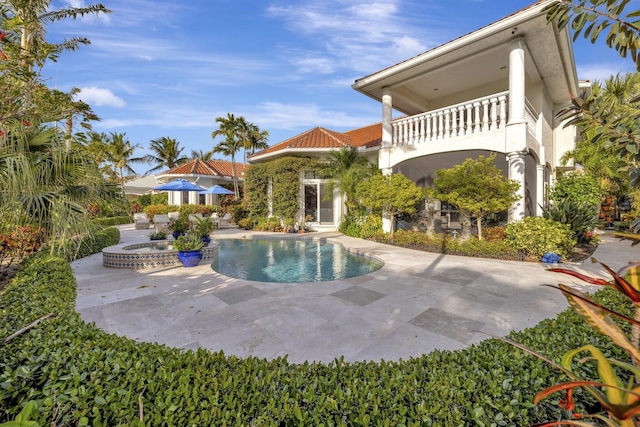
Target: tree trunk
479 224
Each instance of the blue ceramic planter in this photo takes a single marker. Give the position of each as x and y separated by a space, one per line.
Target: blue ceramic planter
190 258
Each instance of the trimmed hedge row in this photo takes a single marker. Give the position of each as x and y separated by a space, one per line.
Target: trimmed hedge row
115 220
79 375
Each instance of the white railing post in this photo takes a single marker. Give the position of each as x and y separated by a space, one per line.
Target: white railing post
494 113
476 121
422 135
454 121
503 111
485 115
439 135
447 123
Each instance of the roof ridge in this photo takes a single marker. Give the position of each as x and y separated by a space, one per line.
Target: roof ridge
331 134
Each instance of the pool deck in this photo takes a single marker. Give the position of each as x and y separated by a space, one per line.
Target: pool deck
417 302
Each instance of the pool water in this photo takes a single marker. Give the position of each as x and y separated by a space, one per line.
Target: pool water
289 261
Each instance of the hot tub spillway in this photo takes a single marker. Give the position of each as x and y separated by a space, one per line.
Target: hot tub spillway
138 256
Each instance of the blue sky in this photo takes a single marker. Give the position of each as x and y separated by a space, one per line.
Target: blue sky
164 68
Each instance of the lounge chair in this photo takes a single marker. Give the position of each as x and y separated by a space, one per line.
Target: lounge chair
223 222
192 218
161 222
141 220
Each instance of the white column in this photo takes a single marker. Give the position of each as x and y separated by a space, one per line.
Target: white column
516 81
517 173
384 155
384 160
539 189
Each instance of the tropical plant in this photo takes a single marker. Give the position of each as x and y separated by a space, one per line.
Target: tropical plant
348 168
166 153
476 187
582 217
616 387
231 128
203 225
592 17
180 225
389 194
202 155
119 152
191 241
256 139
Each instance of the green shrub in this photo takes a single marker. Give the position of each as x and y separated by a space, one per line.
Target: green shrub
371 226
536 236
116 220
580 216
80 375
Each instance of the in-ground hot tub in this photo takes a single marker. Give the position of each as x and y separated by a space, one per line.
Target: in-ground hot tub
156 254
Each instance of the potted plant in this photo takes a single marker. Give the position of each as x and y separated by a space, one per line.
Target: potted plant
179 226
158 235
289 225
305 227
204 226
189 247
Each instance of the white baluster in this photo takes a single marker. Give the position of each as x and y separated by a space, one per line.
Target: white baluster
469 120
440 126
427 135
485 115
494 113
454 122
503 111
476 121
422 135
461 120
447 123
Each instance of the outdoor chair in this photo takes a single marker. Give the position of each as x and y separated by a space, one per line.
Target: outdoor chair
192 218
223 222
161 222
141 220
173 215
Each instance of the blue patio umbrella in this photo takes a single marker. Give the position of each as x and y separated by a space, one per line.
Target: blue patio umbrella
216 189
178 185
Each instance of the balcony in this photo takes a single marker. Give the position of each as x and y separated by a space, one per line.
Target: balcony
482 116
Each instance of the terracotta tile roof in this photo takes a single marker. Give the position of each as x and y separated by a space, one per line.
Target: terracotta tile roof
321 138
368 136
210 167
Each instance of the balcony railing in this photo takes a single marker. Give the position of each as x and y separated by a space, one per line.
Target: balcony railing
468 118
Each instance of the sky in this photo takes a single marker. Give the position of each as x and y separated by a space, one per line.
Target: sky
160 68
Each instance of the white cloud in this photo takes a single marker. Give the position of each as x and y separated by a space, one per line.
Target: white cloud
356 36
275 115
601 71
100 97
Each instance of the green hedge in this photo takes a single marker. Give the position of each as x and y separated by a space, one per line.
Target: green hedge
115 220
79 375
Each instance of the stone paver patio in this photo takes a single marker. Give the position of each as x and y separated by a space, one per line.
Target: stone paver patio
417 302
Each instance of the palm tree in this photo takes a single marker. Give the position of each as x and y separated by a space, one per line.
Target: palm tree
30 17
120 155
348 168
234 129
229 147
257 139
202 155
44 185
167 154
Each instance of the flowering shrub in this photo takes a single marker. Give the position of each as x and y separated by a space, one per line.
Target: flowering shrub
17 245
536 236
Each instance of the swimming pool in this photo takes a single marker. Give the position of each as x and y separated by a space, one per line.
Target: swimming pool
289 261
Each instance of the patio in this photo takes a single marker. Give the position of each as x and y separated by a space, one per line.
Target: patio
417 302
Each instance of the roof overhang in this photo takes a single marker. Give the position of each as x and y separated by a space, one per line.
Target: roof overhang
479 59
300 152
